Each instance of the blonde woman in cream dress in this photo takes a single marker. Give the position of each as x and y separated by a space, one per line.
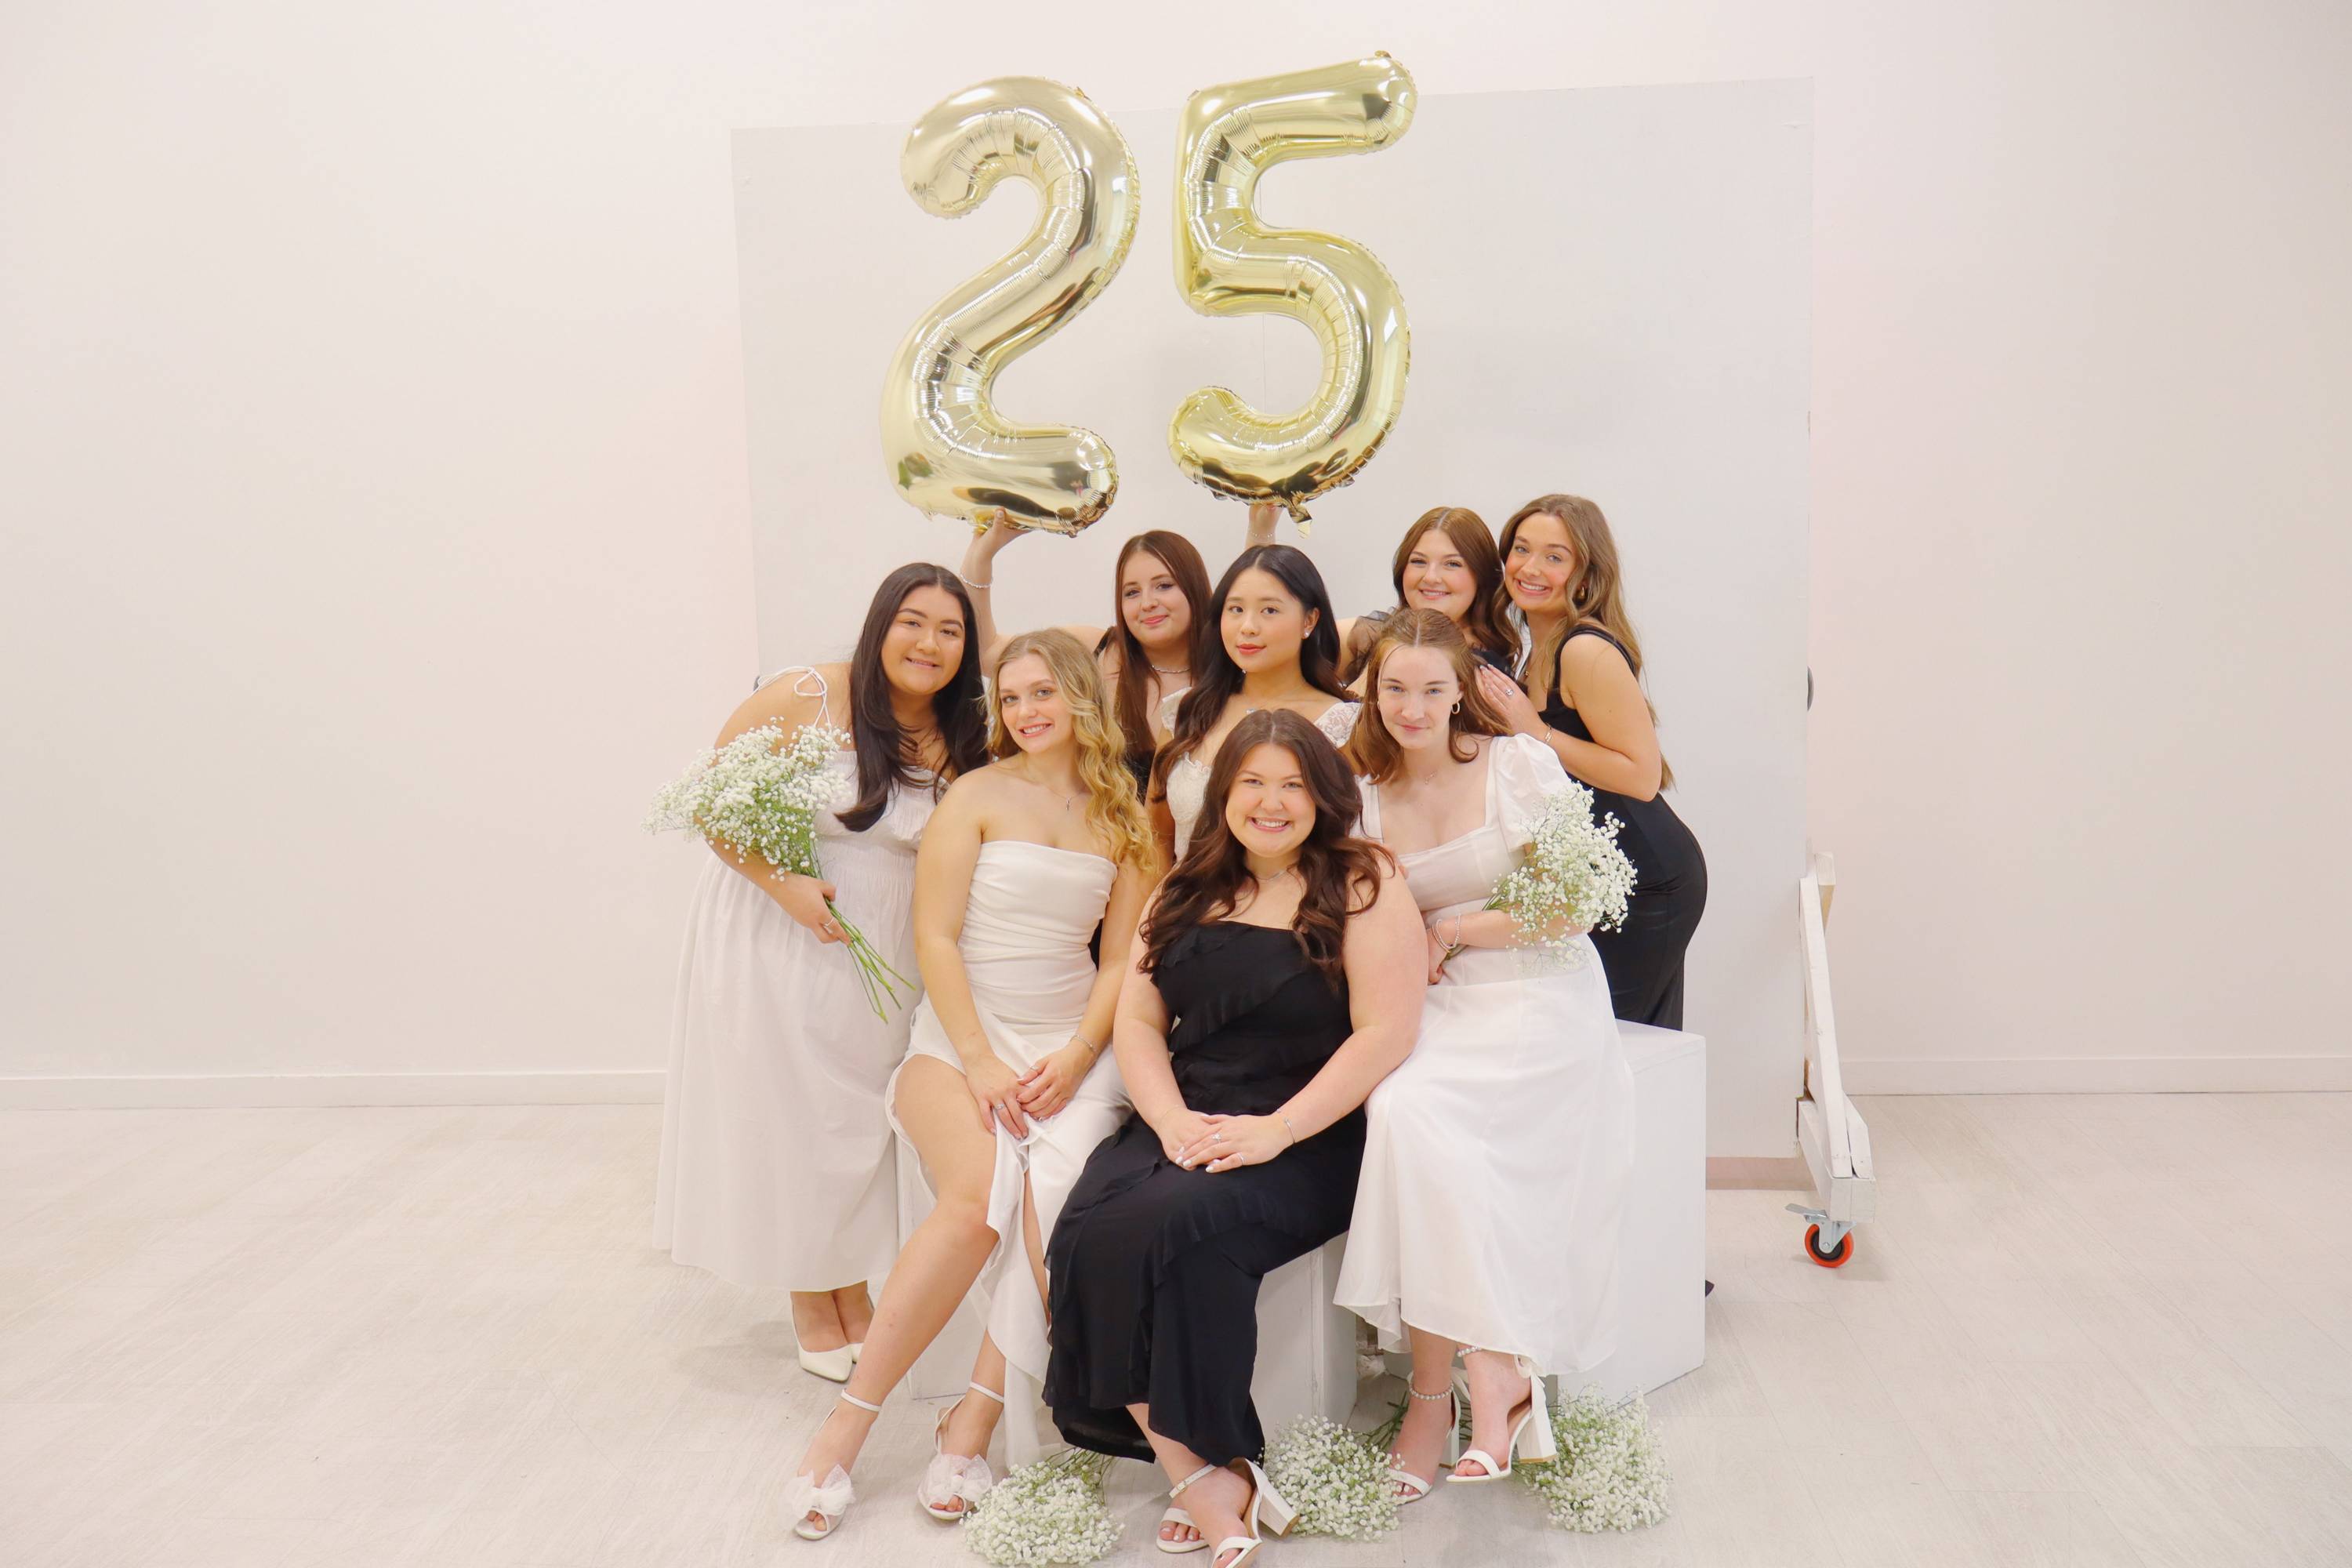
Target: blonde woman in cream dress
1007 1086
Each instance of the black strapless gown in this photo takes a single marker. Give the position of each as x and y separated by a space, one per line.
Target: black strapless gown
1153 1270
1643 959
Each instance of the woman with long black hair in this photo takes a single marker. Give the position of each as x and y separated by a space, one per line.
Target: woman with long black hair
1277 646
778 1167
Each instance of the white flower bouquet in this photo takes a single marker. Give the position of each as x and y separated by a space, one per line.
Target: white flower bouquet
1611 1469
1574 878
758 798
1337 1479
1049 1511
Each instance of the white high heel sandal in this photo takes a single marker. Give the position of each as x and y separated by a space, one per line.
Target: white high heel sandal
1265 1504
1418 1486
1530 1442
829 1502
1178 1516
957 1479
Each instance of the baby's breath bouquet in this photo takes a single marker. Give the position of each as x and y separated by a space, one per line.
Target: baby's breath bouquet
1049 1511
758 798
1612 1470
1337 1479
1573 879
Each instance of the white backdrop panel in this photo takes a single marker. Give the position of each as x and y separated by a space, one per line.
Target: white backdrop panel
1608 292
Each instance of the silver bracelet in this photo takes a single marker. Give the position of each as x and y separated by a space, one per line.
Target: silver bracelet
1287 1127
1092 1049
968 582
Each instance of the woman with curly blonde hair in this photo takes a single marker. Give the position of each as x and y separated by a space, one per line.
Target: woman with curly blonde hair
1006 1088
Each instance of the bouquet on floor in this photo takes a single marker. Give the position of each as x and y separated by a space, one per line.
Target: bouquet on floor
1050 1510
1337 1478
757 798
1612 1470
1574 879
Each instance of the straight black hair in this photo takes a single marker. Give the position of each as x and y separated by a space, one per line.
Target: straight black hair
1217 678
886 754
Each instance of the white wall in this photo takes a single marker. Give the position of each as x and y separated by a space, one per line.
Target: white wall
371 475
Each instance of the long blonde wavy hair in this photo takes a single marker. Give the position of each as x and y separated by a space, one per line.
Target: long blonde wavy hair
1114 809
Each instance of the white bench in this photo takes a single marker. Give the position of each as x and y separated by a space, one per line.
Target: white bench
1307 1346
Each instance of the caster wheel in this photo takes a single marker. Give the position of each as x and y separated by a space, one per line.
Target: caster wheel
1835 1259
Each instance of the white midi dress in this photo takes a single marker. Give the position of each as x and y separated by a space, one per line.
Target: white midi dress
778 1166
1032 909
1496 1157
1188 777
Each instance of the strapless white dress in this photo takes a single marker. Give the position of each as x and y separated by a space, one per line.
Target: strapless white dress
778 1168
1188 777
1497 1158
1032 911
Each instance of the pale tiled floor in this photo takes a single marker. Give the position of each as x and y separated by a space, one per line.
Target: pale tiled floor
2084 1331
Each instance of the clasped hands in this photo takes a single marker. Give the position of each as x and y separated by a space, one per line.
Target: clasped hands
1013 1101
1195 1138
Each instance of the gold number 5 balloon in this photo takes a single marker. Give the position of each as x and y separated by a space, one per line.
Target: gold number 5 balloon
1228 264
948 448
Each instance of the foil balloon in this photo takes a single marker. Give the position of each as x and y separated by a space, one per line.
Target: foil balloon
1229 263
948 448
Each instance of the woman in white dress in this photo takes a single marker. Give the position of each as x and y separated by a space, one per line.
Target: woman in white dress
778 1169
1277 646
1006 1088
1497 1160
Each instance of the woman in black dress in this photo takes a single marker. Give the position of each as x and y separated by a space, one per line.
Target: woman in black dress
1584 665
1278 979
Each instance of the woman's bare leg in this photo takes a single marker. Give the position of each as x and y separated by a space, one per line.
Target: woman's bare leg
855 1307
817 1321
1421 1441
935 1267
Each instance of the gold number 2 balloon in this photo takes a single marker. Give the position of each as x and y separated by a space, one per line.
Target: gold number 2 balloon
949 450
1229 264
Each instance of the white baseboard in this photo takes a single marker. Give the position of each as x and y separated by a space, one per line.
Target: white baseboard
2098 1074
332 1089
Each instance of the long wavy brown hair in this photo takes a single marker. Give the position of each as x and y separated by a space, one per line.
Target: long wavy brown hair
1131 699
1340 871
1596 596
1114 808
1482 622
1373 751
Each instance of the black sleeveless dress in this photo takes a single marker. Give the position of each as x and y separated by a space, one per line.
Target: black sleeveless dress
1643 959
1153 1270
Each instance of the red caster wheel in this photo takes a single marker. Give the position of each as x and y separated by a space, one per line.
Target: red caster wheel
1833 1259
